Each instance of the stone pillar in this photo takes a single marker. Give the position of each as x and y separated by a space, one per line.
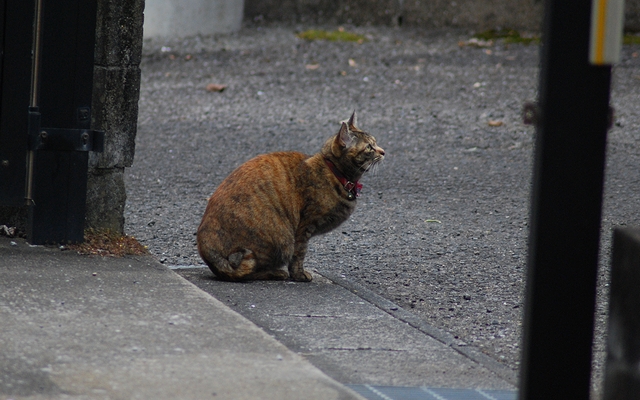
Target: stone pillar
116 89
622 375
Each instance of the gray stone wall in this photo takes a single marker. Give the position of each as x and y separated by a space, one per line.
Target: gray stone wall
116 88
525 15
632 15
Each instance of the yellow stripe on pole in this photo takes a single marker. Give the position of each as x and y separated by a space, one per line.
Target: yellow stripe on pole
600 31
606 31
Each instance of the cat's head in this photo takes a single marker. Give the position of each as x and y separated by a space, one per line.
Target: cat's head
352 150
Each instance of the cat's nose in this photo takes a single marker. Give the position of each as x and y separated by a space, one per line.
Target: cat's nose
381 151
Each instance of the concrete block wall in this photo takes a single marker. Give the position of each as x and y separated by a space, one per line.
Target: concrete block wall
632 15
524 15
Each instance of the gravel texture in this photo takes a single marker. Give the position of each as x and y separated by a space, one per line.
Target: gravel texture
441 226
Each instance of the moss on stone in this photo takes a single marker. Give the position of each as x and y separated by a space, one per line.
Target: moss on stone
339 35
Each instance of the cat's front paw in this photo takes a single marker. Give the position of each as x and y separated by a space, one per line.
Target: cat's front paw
301 276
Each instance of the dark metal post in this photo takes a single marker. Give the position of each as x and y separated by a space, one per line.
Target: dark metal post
622 377
60 140
572 121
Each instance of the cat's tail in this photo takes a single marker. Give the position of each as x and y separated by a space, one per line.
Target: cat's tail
237 267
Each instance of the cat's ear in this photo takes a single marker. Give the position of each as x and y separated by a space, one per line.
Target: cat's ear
353 121
344 138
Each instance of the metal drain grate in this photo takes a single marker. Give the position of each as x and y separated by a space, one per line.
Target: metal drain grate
422 393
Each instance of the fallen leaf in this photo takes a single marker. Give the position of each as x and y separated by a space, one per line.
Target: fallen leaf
495 123
475 42
433 220
214 87
343 73
312 66
352 62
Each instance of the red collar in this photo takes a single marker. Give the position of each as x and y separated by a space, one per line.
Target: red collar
353 188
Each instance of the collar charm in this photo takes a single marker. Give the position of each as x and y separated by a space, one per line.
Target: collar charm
353 188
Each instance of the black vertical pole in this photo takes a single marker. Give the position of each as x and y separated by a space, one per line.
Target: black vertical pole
572 122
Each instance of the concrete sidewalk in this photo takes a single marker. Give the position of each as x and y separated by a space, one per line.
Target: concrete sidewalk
80 327
91 327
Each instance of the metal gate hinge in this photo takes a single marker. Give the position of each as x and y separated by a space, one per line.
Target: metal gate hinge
62 139
57 139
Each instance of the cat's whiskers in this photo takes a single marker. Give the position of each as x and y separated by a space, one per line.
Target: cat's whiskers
366 166
374 166
370 165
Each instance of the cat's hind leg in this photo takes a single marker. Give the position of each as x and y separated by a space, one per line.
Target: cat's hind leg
241 266
238 266
271 259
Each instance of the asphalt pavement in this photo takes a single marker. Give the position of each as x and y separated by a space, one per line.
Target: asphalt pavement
441 226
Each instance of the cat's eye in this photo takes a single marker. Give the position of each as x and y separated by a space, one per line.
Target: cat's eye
369 147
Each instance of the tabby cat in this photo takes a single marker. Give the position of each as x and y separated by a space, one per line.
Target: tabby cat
263 214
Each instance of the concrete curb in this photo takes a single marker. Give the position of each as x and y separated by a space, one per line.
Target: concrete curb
446 338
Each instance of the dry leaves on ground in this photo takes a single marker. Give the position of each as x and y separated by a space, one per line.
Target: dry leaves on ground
108 243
